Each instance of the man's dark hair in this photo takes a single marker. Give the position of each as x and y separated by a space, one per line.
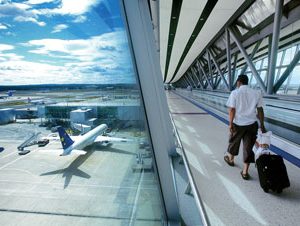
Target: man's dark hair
243 79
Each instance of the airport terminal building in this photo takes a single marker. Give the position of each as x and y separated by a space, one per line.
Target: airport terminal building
147 83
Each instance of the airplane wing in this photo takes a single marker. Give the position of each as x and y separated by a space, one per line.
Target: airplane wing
110 139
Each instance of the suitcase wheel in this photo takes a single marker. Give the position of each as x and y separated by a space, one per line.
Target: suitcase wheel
279 191
266 190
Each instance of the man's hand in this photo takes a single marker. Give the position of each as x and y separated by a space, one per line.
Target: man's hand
231 128
263 129
231 112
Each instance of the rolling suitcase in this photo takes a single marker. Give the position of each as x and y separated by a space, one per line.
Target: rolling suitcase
272 173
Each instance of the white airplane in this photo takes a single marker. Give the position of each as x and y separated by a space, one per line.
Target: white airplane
78 143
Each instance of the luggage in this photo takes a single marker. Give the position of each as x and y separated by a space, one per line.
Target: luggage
272 173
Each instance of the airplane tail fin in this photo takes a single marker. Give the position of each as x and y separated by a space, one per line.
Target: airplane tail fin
65 139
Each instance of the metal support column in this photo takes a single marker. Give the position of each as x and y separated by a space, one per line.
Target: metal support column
190 80
252 55
218 69
146 66
194 72
201 76
274 49
184 82
209 67
249 62
181 83
228 52
187 81
203 72
219 80
191 77
234 69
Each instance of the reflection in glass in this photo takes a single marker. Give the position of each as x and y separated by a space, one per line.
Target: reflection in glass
68 66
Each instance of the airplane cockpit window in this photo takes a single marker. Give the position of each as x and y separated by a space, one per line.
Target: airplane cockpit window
74 146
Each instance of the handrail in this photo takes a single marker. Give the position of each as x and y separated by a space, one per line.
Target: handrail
196 194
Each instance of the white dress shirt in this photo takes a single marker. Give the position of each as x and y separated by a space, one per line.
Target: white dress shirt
245 101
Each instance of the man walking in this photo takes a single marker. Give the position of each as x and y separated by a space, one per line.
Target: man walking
245 105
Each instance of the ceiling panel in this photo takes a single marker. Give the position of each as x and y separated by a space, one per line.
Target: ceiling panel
189 15
165 8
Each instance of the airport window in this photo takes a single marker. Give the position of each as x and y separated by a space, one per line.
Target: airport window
295 82
256 13
279 56
289 55
74 142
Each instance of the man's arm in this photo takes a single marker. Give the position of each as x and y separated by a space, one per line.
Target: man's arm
261 116
231 112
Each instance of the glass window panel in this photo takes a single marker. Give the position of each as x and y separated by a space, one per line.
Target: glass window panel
276 74
252 80
256 13
279 58
295 81
289 55
265 63
221 84
282 88
281 72
69 68
236 74
263 76
258 64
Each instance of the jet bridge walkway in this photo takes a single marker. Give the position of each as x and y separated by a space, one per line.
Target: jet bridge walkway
227 198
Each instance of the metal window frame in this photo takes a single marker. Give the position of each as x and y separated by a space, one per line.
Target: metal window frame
248 60
190 75
274 46
147 68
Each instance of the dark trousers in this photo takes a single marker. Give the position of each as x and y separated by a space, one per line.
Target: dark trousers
248 135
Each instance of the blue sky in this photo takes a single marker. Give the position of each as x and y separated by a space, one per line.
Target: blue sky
63 42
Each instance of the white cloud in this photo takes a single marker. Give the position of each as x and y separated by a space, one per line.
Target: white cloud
3 27
29 19
20 12
36 2
10 57
59 28
79 19
4 47
21 6
100 59
6 57
73 7
24 72
109 46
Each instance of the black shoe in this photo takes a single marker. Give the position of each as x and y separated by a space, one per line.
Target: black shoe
245 176
227 160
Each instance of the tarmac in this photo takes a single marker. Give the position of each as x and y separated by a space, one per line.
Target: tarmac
98 188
